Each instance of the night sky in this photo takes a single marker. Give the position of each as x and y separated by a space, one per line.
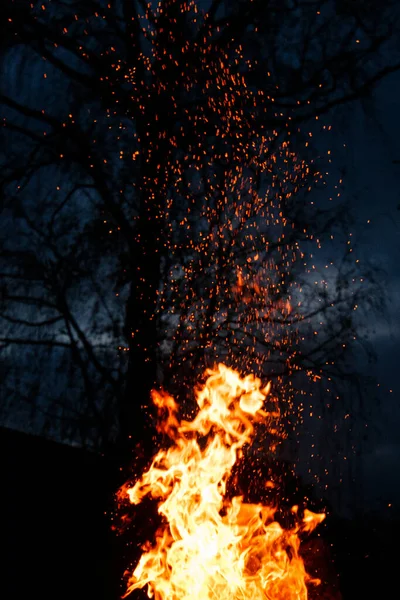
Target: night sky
372 137
365 144
366 147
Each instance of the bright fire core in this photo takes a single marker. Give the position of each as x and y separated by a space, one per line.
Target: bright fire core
211 547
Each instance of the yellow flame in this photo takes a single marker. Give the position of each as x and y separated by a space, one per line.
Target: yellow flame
210 547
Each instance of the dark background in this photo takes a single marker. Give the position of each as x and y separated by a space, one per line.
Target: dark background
57 499
56 538
57 541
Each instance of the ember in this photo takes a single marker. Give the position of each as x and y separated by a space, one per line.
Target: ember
210 546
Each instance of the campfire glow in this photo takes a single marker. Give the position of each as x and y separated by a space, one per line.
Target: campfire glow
210 546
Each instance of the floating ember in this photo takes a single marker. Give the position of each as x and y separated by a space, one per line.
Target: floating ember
210 546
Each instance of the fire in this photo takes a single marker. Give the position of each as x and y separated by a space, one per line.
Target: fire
210 546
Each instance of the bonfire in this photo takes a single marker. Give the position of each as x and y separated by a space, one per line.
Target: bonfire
211 546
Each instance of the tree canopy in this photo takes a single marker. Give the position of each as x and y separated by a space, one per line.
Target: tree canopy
164 204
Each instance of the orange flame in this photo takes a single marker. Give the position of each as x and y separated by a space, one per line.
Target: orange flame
209 546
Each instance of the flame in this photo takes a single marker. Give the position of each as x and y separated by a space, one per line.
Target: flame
210 546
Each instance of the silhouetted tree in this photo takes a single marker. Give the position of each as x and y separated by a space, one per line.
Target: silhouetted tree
157 178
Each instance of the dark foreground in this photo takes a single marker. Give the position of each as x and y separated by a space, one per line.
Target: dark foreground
58 545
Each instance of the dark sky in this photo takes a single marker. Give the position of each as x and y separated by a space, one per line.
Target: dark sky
366 144
371 132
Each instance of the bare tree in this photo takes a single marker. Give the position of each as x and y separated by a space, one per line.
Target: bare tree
156 184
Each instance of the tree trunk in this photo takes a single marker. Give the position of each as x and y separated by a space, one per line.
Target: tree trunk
137 431
135 411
